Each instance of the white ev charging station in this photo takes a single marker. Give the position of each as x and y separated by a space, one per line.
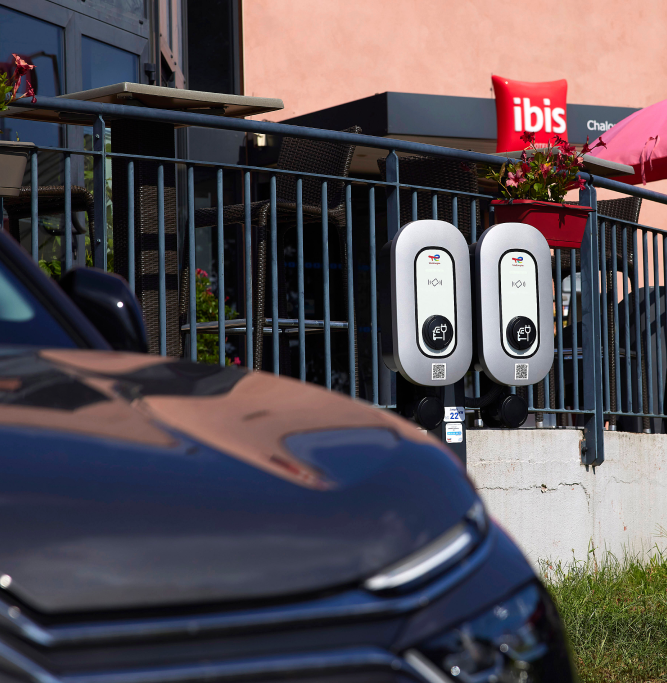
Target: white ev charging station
428 338
514 304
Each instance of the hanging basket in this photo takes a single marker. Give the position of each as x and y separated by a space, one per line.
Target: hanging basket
562 225
13 160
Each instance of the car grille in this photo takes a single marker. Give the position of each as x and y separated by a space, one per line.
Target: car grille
318 639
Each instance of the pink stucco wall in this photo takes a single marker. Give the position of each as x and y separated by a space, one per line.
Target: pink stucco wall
318 53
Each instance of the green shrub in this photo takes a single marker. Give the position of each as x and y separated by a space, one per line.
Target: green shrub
208 348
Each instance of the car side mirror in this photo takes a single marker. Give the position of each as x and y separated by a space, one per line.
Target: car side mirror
107 301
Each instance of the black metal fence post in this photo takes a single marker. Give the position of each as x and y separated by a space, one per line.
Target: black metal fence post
593 446
99 248
387 378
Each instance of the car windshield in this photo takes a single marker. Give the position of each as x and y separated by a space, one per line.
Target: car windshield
24 320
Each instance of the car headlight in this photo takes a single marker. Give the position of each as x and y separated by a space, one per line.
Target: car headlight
434 558
519 640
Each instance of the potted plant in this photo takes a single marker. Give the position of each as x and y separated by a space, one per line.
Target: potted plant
14 155
534 188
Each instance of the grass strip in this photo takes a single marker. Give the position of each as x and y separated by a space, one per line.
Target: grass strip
615 614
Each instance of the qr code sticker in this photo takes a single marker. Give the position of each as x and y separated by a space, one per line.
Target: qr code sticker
521 371
439 371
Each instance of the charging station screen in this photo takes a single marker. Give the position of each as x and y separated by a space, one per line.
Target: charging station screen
436 311
519 303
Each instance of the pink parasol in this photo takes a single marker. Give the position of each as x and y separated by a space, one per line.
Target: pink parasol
640 140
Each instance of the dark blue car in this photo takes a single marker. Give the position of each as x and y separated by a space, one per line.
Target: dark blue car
169 522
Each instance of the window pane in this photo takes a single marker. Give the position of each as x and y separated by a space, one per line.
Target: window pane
23 320
105 65
41 44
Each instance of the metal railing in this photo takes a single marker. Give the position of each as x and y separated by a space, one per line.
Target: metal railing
608 371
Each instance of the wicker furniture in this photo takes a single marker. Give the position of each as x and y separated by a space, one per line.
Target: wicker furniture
306 156
442 173
149 139
50 201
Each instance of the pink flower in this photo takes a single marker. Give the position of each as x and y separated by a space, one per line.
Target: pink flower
201 273
21 67
209 292
525 167
29 92
515 178
236 361
567 148
527 137
578 184
544 169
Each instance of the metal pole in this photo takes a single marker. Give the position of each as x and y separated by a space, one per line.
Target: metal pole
593 449
99 249
34 207
387 379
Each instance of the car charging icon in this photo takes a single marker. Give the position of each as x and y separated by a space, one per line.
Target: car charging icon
440 332
523 333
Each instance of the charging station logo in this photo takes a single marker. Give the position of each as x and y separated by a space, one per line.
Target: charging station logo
434 259
518 261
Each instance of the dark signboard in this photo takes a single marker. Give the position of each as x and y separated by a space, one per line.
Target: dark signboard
442 116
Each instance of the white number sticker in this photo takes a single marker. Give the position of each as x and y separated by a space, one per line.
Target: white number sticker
456 414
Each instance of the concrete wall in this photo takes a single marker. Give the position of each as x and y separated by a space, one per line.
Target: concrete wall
534 486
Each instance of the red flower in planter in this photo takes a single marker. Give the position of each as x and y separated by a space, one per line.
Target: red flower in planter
568 149
528 138
541 173
29 92
21 67
579 184
9 86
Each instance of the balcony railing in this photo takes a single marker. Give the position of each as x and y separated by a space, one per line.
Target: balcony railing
329 332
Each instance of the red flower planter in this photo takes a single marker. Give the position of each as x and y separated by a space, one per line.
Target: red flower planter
562 225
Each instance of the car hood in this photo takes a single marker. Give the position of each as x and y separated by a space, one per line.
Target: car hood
135 481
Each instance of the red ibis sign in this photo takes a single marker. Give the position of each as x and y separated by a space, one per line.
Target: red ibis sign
538 108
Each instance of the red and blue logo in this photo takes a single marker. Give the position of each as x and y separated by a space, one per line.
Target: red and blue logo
518 260
434 259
